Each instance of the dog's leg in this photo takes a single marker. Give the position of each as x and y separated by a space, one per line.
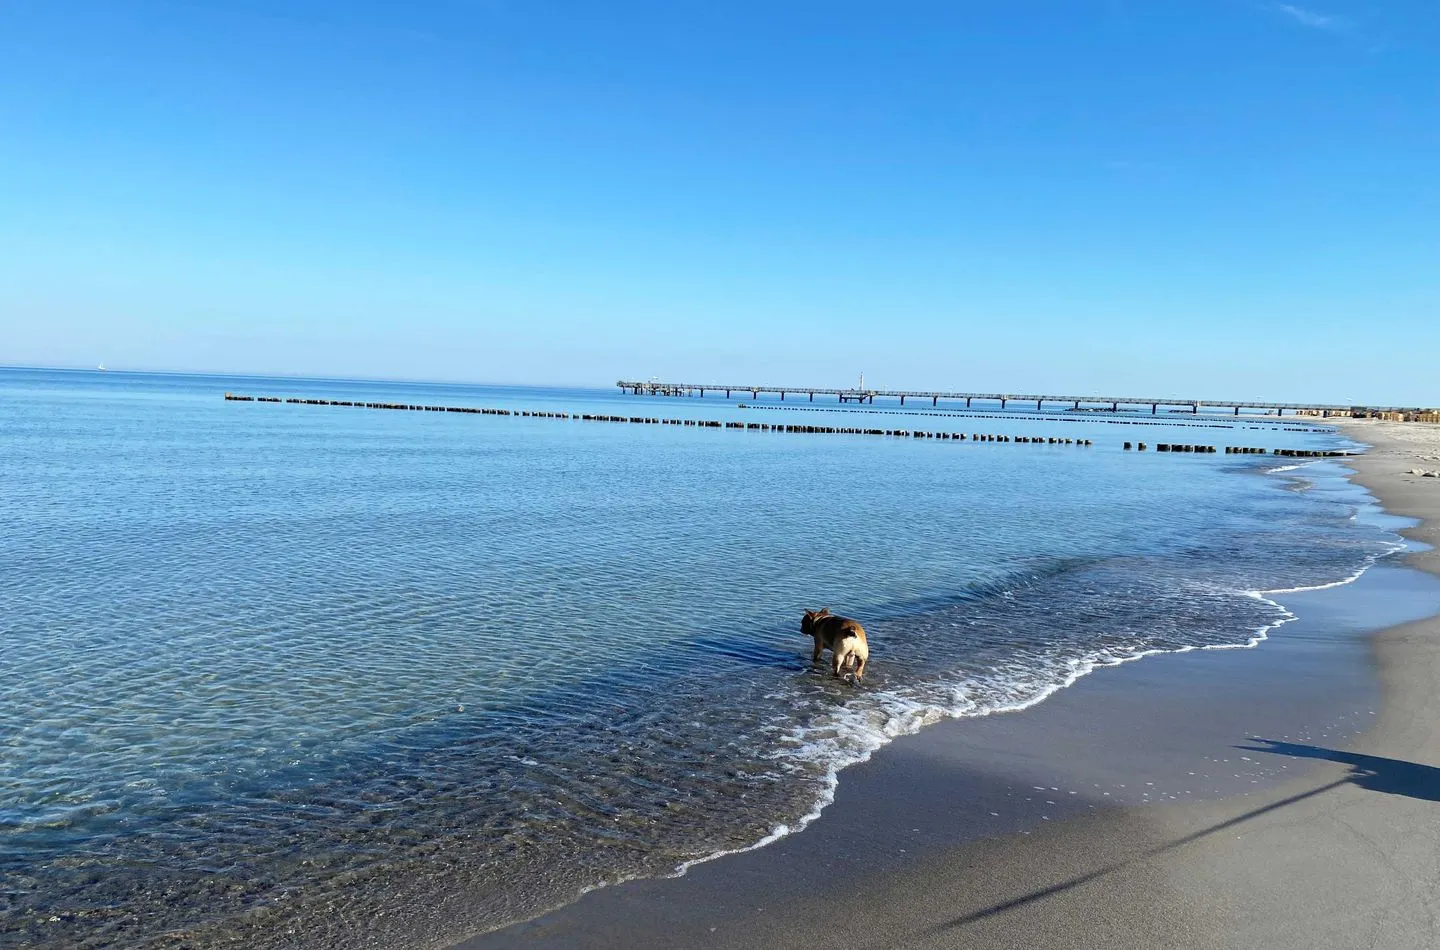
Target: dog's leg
859 667
819 648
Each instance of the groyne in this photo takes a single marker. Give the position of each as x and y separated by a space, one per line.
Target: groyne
770 427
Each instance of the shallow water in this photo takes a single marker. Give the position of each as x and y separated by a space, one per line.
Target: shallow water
275 675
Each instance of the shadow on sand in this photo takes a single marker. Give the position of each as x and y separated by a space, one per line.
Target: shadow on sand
1392 776
1074 882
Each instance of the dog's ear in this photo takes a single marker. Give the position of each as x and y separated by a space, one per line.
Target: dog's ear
824 611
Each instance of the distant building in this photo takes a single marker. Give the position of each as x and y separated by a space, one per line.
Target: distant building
1399 415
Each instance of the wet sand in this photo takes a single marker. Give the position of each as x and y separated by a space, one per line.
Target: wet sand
1287 796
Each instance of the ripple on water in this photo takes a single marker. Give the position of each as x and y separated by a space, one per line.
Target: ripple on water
268 677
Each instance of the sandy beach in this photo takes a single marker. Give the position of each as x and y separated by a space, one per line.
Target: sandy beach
1287 796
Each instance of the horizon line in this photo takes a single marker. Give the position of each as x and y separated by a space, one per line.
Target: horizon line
553 385
250 374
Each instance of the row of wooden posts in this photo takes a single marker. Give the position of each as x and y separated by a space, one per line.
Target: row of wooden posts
236 397
1312 453
775 427
842 430
1243 450
648 420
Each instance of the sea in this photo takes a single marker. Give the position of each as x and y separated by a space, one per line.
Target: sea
288 675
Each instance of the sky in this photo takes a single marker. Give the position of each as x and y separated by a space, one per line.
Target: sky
1196 198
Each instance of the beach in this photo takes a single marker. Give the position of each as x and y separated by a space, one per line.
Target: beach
235 720
1287 796
423 457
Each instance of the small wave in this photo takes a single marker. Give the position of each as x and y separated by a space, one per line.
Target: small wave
1371 560
1267 596
855 734
860 735
1260 635
1287 468
1263 595
778 832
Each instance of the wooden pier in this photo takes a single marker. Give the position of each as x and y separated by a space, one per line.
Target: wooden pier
1291 424
1073 403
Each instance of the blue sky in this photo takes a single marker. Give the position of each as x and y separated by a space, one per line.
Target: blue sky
1213 198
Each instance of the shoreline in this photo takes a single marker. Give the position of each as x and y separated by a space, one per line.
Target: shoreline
900 898
1395 448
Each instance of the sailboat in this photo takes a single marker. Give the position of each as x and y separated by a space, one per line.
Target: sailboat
101 367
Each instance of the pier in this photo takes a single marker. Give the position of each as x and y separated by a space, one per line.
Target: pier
1072 403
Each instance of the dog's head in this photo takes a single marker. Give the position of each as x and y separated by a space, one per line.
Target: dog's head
807 622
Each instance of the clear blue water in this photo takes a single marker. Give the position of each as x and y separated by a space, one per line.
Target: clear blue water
278 675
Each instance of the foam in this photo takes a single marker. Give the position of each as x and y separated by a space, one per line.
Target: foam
851 734
905 716
902 715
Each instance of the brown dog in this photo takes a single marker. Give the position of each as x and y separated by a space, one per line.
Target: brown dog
843 637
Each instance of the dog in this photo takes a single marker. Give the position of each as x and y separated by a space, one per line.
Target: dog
843 637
